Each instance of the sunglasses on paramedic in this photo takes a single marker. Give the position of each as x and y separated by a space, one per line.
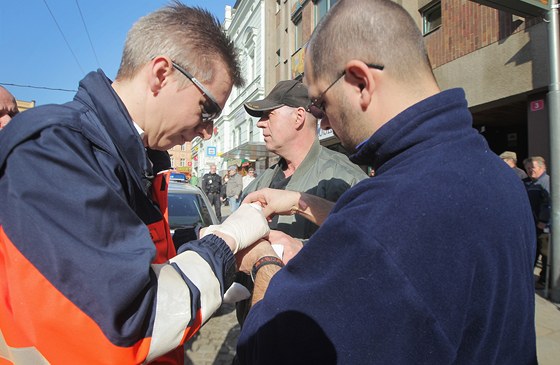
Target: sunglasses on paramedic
317 105
210 111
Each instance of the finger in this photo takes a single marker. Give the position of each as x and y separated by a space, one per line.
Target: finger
252 197
268 212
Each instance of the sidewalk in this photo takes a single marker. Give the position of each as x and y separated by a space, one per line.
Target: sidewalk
547 323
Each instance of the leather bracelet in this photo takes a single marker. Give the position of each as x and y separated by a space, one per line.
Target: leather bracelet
263 261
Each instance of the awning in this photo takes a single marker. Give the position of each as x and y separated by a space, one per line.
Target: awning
249 151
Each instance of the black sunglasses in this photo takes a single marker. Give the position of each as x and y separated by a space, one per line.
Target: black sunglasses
209 112
317 105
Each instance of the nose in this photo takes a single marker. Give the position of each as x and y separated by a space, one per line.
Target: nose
262 123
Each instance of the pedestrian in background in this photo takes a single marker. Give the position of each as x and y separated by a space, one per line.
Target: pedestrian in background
510 158
419 264
223 195
538 189
8 107
212 186
234 188
89 273
247 179
194 179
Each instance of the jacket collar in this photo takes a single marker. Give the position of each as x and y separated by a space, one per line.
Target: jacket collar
434 120
96 92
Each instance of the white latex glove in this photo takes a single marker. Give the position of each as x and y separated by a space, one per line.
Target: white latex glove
246 226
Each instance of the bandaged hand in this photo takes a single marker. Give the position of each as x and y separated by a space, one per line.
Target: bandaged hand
246 226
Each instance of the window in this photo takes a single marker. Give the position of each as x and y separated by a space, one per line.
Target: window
249 57
279 59
298 42
235 137
431 18
187 209
249 122
183 147
183 162
243 133
321 8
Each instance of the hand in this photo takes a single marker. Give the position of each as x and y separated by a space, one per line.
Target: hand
291 245
245 226
246 258
273 201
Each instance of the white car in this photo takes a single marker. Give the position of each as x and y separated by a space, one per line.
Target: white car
188 207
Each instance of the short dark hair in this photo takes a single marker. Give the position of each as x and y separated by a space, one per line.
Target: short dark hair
373 31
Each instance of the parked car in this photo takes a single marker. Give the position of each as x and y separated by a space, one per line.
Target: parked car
188 206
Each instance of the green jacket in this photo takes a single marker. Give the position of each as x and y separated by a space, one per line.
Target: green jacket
323 172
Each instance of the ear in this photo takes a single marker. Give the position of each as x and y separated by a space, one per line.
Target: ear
301 115
361 80
159 71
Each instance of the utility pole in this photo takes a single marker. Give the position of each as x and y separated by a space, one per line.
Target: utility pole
553 115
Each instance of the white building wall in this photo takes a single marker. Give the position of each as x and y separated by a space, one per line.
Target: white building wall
233 127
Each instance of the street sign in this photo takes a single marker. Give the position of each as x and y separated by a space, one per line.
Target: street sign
537 105
211 151
523 8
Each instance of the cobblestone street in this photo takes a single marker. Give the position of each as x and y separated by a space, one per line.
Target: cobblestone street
215 342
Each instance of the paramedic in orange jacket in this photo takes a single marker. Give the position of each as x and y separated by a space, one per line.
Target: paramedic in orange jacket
88 272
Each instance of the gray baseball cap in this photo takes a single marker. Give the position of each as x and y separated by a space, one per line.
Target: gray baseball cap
292 93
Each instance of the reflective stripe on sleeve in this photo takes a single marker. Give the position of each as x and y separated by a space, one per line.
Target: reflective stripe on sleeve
204 278
173 306
25 355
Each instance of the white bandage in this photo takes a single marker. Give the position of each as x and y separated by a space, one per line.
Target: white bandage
246 225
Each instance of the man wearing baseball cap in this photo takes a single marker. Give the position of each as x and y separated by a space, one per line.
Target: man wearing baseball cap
291 93
291 132
510 158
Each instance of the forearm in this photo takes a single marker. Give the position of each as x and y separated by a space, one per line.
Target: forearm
261 263
262 279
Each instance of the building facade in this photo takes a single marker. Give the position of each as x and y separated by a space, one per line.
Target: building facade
181 157
500 59
236 139
24 105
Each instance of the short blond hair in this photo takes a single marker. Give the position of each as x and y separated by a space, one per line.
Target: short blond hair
190 36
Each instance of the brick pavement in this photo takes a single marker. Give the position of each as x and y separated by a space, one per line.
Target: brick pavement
215 342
